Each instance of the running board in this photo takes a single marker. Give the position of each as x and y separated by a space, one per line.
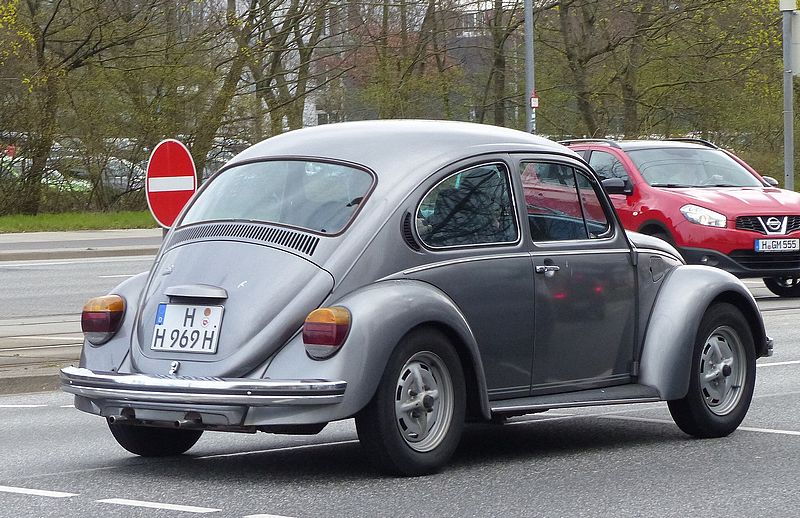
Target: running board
618 395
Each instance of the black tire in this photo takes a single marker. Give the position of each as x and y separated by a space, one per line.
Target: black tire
723 375
663 236
154 442
783 286
390 435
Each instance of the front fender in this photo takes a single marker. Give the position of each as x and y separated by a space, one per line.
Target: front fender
671 332
382 313
109 356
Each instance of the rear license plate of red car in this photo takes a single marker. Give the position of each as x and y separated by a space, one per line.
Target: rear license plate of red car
777 245
187 328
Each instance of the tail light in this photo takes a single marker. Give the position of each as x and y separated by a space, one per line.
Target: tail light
325 330
102 318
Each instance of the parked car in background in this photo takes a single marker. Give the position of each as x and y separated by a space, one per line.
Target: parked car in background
413 275
707 202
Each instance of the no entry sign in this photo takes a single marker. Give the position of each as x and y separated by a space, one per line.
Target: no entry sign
171 181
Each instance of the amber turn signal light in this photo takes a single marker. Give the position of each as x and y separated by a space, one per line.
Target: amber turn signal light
102 317
325 330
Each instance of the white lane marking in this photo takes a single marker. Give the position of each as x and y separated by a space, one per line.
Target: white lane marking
768 430
48 337
115 276
38 347
171 183
157 505
36 492
669 421
67 406
51 262
775 364
288 448
22 406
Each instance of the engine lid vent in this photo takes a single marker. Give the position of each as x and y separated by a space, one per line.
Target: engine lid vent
292 239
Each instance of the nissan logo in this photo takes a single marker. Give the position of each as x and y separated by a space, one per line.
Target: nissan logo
774 224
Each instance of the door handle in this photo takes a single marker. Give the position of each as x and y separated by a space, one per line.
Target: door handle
548 270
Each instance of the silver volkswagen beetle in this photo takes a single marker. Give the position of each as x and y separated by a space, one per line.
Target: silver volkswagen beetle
413 275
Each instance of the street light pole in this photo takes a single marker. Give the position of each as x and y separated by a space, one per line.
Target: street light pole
787 7
530 85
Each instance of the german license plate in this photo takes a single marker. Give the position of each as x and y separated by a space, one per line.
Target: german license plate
777 245
187 328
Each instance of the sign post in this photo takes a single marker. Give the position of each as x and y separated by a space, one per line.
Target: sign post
788 7
171 180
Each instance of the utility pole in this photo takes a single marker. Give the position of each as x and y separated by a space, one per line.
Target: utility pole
530 84
788 7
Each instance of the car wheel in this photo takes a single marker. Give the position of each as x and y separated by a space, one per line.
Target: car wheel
722 378
413 423
154 442
783 286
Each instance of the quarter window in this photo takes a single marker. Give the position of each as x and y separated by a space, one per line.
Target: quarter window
471 207
562 203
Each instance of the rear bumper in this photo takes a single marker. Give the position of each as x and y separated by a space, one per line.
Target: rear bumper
143 388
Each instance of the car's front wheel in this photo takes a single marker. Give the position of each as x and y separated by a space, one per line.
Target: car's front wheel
414 421
154 442
722 378
783 286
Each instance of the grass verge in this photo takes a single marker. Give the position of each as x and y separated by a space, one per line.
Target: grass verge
77 221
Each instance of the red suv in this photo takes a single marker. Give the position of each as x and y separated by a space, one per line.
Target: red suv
705 201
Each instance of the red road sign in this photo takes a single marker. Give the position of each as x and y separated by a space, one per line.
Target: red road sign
171 181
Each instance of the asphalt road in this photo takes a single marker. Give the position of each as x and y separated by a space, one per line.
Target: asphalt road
604 461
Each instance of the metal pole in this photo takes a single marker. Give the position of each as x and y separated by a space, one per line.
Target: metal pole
788 101
530 85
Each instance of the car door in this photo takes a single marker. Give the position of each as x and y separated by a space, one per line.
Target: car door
468 222
584 284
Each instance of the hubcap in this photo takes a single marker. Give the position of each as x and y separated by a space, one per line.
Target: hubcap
722 370
424 401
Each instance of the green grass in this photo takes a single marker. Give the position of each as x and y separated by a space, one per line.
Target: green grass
77 221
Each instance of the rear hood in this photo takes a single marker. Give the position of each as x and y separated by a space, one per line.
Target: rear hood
266 294
743 201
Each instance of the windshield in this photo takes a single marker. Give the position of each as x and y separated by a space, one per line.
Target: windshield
318 196
689 167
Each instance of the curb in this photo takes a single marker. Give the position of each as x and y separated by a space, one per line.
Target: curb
78 253
23 384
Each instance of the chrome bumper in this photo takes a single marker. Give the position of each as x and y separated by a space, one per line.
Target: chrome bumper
208 391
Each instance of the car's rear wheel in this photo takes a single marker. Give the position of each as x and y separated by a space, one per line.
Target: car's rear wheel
722 378
783 286
414 421
154 442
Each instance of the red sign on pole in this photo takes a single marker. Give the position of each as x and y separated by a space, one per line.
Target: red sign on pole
171 181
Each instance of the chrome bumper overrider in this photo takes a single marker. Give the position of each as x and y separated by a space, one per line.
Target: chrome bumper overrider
191 390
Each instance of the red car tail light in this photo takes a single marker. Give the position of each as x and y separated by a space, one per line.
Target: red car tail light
102 317
325 330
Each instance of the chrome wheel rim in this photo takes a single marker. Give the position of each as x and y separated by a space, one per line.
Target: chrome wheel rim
424 401
722 370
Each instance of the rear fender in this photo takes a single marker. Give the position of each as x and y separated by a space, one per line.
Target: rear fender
686 294
382 314
109 356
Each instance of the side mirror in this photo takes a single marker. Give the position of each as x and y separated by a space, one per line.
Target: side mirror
617 186
772 182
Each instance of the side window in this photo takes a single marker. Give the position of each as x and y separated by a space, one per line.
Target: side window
607 165
562 204
471 207
596 221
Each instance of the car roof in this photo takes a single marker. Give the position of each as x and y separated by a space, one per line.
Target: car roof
399 150
631 145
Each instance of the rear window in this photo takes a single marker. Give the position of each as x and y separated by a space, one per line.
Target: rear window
318 196
688 167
